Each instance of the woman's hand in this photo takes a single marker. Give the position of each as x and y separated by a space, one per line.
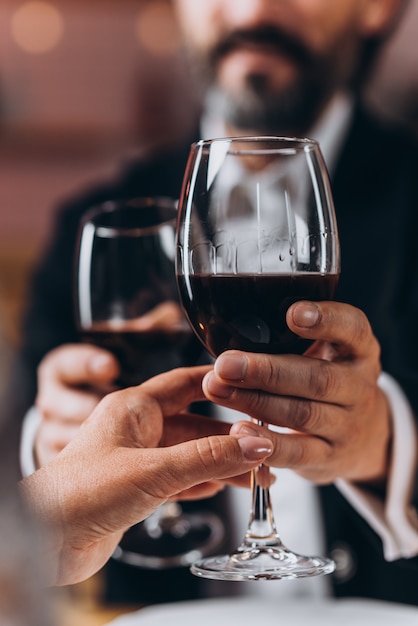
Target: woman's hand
114 473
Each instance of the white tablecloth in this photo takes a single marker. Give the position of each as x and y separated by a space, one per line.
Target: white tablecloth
266 612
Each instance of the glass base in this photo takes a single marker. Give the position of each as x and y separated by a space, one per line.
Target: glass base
268 562
169 542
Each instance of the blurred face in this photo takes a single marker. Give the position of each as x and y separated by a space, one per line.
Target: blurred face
273 64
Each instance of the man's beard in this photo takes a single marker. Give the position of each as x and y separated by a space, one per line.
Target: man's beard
260 107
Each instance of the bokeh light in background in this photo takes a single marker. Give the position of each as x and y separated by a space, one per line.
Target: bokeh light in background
37 27
80 81
79 64
156 30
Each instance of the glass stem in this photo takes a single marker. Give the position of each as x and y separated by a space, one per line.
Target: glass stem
262 527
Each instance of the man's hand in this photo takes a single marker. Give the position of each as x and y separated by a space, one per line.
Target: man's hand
72 379
329 397
113 473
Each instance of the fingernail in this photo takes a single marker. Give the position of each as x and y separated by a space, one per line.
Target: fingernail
216 388
232 366
99 362
254 448
248 429
305 314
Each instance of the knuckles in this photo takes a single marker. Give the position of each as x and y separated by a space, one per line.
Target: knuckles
305 415
322 380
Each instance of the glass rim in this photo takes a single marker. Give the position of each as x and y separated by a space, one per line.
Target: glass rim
111 206
283 143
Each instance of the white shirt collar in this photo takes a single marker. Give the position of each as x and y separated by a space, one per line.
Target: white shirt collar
332 127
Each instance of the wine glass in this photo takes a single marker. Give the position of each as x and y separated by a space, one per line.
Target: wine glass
256 232
127 303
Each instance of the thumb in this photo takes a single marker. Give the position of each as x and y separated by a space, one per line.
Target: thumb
211 458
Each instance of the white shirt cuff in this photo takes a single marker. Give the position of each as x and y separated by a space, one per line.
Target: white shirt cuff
394 520
30 427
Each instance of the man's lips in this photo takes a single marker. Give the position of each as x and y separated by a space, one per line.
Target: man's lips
264 48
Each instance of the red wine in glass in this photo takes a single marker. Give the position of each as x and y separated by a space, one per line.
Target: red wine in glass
248 311
141 353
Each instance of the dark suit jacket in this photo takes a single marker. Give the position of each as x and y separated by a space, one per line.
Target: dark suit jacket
375 190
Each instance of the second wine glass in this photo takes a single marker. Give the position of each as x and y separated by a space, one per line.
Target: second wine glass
256 232
127 303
